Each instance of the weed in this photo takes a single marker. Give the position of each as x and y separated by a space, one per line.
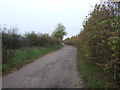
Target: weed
26 55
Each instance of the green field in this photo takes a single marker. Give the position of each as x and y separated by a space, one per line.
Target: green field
26 55
93 74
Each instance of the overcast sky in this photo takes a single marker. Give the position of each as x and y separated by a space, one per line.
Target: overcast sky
42 16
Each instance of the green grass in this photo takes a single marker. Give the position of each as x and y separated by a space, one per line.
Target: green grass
26 55
93 74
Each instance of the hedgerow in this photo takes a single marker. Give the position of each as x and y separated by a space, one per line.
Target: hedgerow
100 38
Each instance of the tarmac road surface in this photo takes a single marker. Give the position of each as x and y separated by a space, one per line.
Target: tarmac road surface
54 70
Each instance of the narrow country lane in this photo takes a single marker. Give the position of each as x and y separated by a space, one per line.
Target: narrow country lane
55 70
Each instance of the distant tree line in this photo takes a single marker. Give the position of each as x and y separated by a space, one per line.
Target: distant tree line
12 41
100 38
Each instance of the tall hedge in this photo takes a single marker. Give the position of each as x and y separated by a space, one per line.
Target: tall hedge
100 38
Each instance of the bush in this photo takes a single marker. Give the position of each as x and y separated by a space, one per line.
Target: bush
11 41
100 39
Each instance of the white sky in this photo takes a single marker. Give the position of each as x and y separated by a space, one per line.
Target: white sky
42 16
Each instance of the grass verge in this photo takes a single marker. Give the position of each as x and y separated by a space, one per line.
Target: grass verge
26 55
93 75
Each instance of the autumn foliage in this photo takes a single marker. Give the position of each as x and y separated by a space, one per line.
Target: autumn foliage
100 38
